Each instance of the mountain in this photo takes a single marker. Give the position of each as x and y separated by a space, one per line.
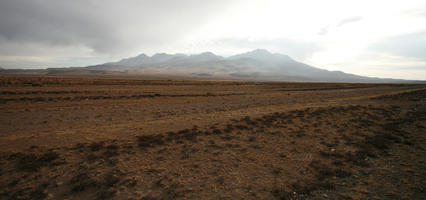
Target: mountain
258 64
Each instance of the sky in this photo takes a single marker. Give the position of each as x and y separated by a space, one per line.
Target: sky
380 38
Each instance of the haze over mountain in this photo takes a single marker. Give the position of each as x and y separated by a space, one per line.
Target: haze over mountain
258 64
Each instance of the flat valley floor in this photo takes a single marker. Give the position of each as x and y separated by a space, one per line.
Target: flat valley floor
124 138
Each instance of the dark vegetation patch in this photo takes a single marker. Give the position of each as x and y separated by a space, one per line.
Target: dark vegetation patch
96 146
105 184
417 95
109 97
33 162
146 141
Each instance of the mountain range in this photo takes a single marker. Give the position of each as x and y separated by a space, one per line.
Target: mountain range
258 64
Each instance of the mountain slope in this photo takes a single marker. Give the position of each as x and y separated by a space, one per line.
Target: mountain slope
258 64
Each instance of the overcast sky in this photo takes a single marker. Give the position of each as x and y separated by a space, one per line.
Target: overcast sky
380 38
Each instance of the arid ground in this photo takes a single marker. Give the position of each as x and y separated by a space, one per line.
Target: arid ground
127 138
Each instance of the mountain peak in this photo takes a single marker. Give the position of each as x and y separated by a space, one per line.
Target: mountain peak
205 56
142 55
135 60
207 53
158 55
259 51
258 54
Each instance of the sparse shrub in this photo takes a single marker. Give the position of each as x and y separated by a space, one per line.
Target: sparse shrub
300 134
111 153
339 172
92 157
358 157
82 181
277 171
302 188
338 163
107 193
220 180
217 131
275 133
112 147
146 141
228 145
148 198
111 179
229 128
323 172
96 146
255 146
32 162
131 182
38 194
49 156
227 138
331 154
409 143
241 127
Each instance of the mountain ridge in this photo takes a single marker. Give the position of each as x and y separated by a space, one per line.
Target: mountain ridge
259 64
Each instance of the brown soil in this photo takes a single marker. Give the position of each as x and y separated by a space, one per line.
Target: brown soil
122 138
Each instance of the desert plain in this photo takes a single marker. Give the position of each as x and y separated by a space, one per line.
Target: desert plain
95 137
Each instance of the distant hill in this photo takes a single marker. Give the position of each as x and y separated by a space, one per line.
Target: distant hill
259 64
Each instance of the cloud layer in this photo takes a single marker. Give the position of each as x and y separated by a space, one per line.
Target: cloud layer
108 27
409 45
104 26
332 34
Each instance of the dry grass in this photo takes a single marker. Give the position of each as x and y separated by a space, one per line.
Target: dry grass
138 139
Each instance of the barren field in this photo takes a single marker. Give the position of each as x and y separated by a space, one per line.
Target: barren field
124 138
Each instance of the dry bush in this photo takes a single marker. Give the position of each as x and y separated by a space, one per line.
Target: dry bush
96 146
146 141
33 162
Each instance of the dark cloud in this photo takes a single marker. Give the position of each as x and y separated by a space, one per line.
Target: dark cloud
349 20
101 25
409 45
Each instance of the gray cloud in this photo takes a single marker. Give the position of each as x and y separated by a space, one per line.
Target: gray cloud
349 20
409 45
106 26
